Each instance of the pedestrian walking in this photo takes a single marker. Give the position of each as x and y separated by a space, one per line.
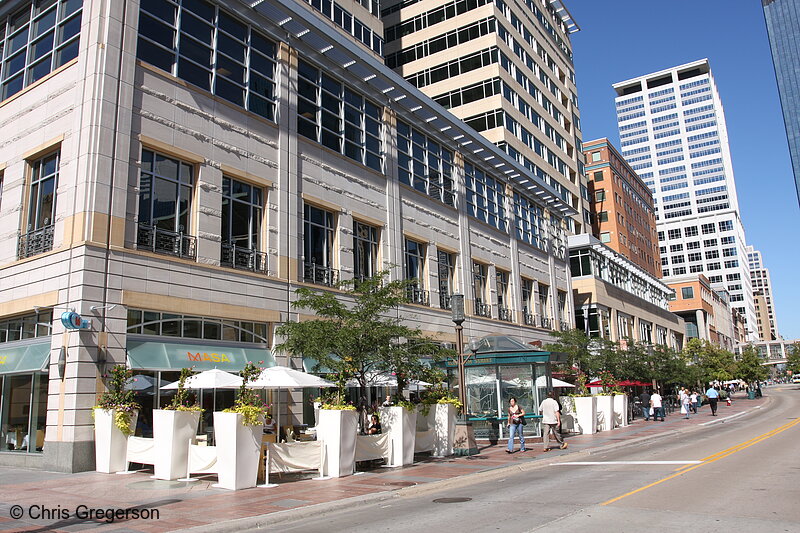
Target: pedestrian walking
658 407
551 421
516 423
693 400
713 398
645 399
685 405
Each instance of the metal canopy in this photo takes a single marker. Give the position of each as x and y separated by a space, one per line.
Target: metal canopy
313 36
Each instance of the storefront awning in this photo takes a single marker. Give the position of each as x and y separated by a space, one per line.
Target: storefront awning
152 355
24 358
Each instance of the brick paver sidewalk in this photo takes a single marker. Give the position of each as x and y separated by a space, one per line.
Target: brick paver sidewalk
183 505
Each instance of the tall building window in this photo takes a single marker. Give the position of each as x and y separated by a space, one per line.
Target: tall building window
447 273
528 314
166 186
338 117
503 310
415 272
365 250
318 234
204 45
242 216
529 219
37 237
37 40
544 309
425 164
485 197
482 308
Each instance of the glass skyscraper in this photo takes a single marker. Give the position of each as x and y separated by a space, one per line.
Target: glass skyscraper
672 132
783 27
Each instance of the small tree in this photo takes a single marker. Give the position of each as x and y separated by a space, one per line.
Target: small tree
361 334
793 358
749 367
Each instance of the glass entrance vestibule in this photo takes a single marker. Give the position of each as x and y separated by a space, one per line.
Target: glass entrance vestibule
501 369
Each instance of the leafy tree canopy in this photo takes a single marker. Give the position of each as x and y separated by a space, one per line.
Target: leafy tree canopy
360 334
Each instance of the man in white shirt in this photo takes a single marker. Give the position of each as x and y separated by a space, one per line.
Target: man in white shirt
658 409
551 420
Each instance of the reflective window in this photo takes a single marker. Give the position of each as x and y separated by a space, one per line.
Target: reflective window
42 199
242 213
338 117
165 192
365 250
425 164
37 40
195 327
202 44
485 197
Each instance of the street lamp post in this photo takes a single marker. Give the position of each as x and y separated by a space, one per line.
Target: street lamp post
458 315
464 443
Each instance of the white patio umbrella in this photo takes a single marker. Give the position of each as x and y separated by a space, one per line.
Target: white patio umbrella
210 379
541 381
282 377
377 379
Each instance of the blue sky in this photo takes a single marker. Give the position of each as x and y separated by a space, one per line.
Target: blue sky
627 38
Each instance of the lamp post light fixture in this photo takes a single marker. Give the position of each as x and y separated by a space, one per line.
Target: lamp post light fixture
458 317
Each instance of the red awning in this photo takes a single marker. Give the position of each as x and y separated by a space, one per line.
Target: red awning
623 383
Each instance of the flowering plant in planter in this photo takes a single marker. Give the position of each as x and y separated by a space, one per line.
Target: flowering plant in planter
118 399
334 402
182 400
438 394
581 389
248 403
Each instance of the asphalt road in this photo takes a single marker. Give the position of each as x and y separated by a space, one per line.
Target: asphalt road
743 475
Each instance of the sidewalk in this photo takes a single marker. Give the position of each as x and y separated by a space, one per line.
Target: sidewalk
185 505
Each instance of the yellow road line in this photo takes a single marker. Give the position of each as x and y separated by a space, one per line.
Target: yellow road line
710 459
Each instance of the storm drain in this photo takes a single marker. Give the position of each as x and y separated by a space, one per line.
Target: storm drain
401 483
452 500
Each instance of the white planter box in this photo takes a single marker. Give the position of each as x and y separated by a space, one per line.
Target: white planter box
605 413
110 444
585 414
238 451
401 424
620 410
173 431
338 431
444 428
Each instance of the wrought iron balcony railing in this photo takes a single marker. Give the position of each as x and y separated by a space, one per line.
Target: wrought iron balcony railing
444 301
415 295
166 242
243 258
482 309
319 274
530 320
505 314
35 242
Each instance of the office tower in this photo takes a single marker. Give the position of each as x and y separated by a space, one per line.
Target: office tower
672 132
783 28
174 171
505 68
623 216
762 291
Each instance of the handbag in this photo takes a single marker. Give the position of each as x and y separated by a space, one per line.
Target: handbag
521 420
651 411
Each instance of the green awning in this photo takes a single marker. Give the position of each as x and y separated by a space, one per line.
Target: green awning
150 355
24 358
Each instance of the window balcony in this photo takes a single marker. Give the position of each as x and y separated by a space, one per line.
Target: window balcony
530 319
243 258
35 242
444 301
482 309
505 314
564 325
161 241
545 322
415 295
320 275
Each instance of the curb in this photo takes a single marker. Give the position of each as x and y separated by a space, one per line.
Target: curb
270 519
